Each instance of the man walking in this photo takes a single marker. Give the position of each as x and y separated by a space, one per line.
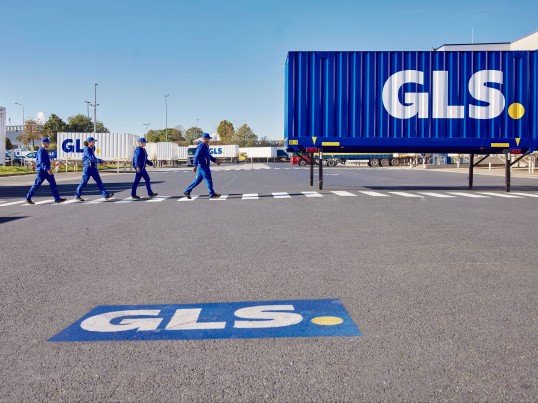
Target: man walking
90 161
43 172
201 162
140 160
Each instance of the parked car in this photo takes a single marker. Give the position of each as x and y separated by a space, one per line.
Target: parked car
17 161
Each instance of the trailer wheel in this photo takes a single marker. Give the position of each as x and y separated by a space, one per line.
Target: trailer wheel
331 163
395 162
302 163
385 162
374 162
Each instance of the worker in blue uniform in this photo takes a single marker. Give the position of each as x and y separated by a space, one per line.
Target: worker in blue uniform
140 160
43 172
89 162
201 162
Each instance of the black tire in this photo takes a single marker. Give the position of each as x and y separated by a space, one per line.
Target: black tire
374 162
302 163
385 162
395 162
331 163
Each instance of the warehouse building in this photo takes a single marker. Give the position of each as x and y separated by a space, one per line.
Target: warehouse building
529 43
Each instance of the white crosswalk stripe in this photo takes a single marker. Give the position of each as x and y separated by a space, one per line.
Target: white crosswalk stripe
96 201
222 197
12 203
432 194
406 194
505 195
342 193
526 194
127 200
312 194
471 195
188 200
374 194
158 199
282 195
70 201
41 202
250 196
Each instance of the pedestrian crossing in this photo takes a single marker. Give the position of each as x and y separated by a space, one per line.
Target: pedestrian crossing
480 195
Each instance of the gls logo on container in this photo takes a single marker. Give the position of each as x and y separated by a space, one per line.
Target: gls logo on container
310 318
215 150
68 147
417 102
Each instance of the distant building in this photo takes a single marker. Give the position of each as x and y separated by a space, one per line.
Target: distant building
12 132
529 43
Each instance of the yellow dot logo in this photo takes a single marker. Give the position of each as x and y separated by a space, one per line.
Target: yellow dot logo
327 320
98 151
516 111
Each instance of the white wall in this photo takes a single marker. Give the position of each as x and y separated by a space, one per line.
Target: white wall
2 135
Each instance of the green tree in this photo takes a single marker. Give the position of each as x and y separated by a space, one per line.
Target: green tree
264 141
9 146
192 134
174 135
33 132
53 126
245 137
226 132
82 124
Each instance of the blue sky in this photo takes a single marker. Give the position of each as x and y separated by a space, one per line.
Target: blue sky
216 59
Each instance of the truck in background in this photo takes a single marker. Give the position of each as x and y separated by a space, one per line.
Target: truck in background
224 153
372 159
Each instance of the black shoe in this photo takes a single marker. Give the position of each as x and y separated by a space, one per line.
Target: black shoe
79 199
108 196
60 200
187 195
215 196
135 197
151 196
29 201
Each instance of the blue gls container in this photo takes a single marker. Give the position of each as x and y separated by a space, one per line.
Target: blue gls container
459 102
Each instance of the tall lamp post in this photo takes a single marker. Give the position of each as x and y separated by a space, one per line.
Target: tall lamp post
88 103
16 103
95 110
146 124
166 114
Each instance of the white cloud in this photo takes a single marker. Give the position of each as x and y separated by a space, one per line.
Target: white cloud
40 118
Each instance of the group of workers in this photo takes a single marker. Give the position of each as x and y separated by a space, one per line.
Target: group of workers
202 161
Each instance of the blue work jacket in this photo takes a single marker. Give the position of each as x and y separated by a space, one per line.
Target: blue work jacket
89 160
202 156
42 160
140 158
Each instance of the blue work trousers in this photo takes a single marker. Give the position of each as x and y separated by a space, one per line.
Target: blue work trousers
139 175
202 173
41 176
87 174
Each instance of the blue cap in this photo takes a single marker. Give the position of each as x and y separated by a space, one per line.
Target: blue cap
206 136
45 140
142 140
90 139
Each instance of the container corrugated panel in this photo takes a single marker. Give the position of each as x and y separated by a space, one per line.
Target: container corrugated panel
259 152
182 153
108 147
164 151
151 149
224 151
2 135
466 102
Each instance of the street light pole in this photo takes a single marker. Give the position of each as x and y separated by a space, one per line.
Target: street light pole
146 124
166 114
16 103
88 103
95 110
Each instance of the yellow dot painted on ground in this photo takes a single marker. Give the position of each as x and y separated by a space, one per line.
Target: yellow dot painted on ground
516 110
327 320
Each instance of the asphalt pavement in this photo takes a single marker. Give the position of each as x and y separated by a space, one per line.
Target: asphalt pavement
442 285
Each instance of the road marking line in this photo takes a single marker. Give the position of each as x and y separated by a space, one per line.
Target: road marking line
374 194
12 203
96 201
342 193
250 196
281 195
312 194
432 194
508 196
41 202
69 202
472 195
127 200
406 194
222 197
526 194
158 199
188 200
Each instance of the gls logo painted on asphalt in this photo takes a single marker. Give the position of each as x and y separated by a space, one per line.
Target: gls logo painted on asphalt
416 103
303 318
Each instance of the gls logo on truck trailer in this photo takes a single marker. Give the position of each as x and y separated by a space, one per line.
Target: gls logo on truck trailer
416 103
303 318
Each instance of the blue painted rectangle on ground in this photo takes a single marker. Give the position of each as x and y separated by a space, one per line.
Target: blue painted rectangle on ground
226 320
